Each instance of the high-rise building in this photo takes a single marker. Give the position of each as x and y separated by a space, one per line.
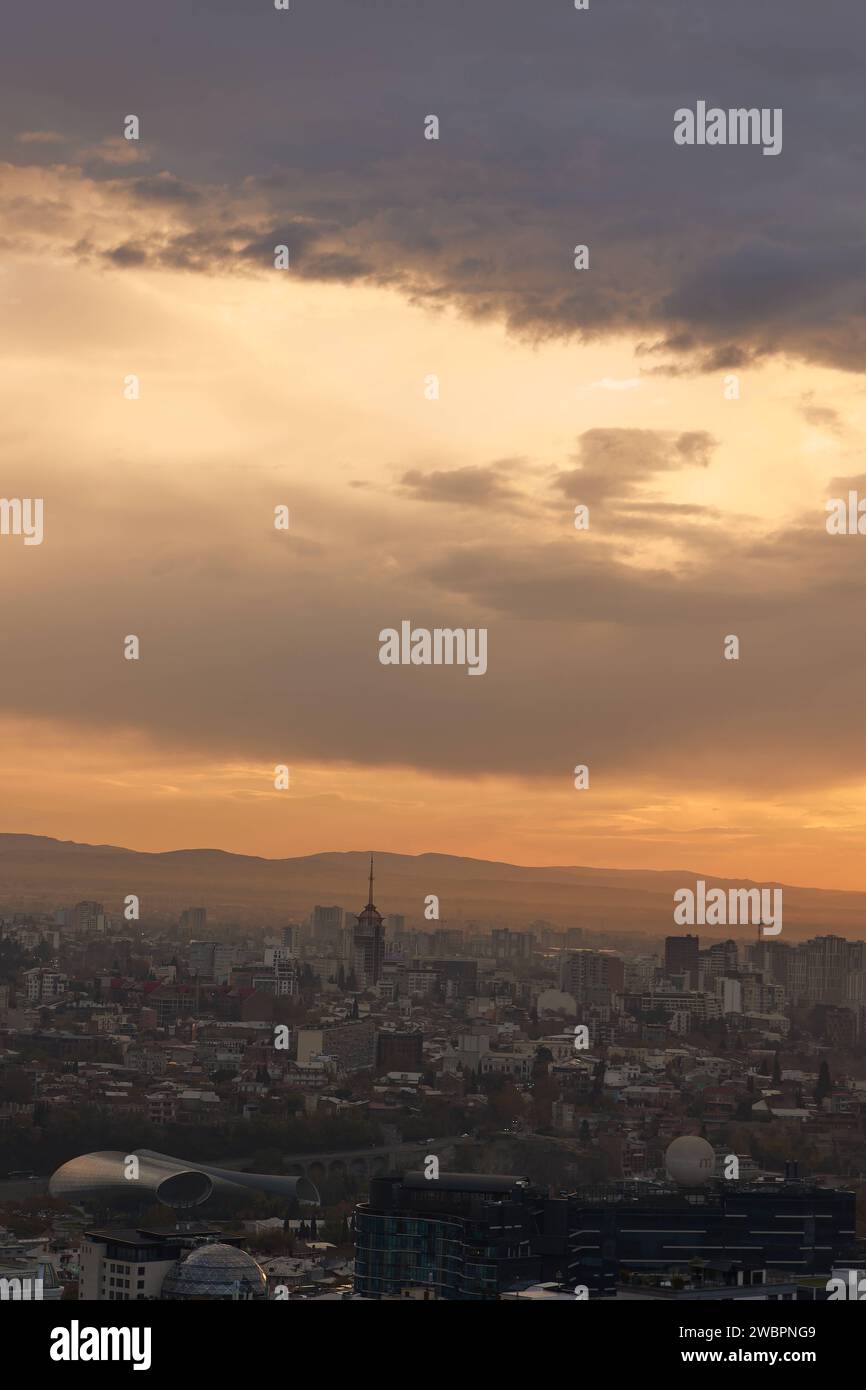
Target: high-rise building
224 957
88 918
469 1236
200 958
326 924
722 958
292 938
368 940
826 970
682 957
193 920
773 959
512 945
447 941
591 977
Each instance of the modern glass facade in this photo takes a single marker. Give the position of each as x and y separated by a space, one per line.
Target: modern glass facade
466 1236
460 1236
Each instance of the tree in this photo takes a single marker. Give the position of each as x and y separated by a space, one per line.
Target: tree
598 1080
824 1084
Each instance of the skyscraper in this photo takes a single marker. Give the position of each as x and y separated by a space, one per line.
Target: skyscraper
682 958
369 942
193 920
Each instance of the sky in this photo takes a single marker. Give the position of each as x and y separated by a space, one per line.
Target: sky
698 387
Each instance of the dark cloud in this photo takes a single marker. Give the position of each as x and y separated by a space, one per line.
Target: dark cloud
126 255
616 463
306 129
164 188
556 129
262 643
821 416
473 486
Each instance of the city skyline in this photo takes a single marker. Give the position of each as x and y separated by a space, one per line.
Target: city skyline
255 889
433 573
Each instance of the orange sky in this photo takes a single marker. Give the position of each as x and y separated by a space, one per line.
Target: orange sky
260 648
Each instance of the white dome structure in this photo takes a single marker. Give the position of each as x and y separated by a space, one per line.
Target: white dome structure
215 1271
690 1161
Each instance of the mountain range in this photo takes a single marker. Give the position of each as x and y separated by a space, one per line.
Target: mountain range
41 874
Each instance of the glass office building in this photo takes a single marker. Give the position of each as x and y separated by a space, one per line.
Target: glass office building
470 1236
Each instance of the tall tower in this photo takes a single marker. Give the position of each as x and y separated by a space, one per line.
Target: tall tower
369 942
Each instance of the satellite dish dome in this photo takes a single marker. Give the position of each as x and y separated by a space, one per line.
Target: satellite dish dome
690 1161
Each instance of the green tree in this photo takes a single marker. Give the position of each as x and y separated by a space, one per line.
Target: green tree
824 1084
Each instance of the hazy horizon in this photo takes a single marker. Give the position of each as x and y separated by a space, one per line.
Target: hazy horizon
39 875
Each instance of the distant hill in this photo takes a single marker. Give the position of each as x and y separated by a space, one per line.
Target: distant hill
37 873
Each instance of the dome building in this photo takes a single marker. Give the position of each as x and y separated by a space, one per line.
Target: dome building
218 1272
690 1161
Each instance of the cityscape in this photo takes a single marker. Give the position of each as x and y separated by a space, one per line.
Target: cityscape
363 1105
432 774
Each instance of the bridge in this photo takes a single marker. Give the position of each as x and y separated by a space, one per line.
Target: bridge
371 1163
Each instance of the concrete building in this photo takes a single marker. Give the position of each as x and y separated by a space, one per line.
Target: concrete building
352 1044
591 977
130 1264
44 986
